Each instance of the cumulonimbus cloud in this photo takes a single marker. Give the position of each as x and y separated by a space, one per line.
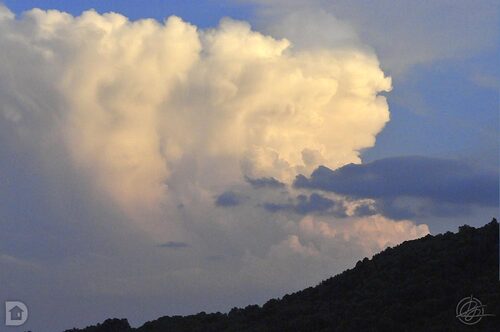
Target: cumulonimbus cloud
132 100
166 141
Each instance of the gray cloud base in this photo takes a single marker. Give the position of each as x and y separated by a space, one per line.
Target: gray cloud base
441 181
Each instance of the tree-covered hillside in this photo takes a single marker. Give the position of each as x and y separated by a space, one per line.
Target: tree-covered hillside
414 286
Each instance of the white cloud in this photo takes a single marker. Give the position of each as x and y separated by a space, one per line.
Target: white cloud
132 99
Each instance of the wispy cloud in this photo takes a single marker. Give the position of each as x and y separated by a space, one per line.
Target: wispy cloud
447 29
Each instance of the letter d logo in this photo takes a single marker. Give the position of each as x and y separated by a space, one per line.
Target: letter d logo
16 313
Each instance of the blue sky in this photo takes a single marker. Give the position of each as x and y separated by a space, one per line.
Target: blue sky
442 110
172 168
202 13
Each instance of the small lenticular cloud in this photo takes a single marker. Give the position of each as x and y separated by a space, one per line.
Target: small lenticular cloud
174 245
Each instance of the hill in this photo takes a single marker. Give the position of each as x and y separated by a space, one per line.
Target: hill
414 286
